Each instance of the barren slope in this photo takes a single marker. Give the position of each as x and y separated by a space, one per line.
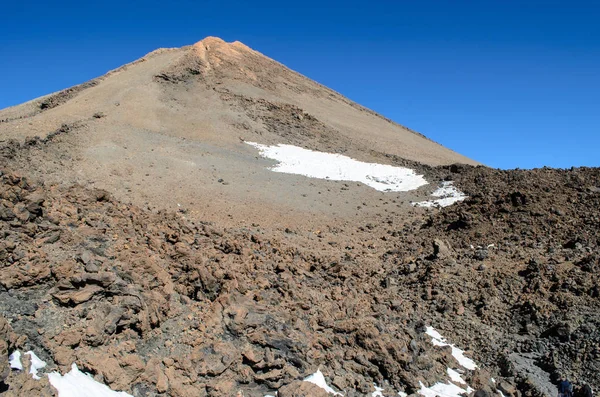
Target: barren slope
174 122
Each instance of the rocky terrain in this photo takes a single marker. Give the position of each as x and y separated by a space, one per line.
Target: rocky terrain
155 302
172 262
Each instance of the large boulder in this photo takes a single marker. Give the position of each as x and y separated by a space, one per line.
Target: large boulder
301 389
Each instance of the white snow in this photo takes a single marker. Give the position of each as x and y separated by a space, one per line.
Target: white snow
36 364
448 194
455 376
377 392
79 384
15 360
441 389
296 160
433 333
318 379
439 340
402 394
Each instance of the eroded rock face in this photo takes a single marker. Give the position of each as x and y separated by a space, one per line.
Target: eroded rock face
4 365
17 383
157 303
23 384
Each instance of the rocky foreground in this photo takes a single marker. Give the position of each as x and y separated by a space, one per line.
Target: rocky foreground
154 303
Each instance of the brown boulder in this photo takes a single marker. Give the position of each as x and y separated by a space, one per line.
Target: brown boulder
441 249
78 296
508 389
221 387
162 382
301 389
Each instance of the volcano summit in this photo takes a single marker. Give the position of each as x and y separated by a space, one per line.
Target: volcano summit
207 222
176 120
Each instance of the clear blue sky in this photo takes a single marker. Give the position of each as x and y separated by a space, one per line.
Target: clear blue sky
508 83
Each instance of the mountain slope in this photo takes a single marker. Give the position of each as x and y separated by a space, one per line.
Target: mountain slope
235 74
175 121
146 240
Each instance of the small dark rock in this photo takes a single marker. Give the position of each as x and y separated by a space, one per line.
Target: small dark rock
480 254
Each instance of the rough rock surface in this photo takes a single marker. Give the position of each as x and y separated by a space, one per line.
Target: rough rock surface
301 389
4 348
153 302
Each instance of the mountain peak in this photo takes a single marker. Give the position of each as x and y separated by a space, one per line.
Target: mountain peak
211 40
212 50
212 43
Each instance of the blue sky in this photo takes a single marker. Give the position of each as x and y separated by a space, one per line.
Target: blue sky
508 83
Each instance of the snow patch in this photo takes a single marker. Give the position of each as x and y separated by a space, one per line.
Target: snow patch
455 376
79 384
36 364
15 360
433 333
378 391
318 379
448 194
439 340
296 160
441 389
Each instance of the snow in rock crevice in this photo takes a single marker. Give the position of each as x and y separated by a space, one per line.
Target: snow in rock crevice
296 160
442 390
450 388
457 353
78 384
378 391
73 384
448 194
455 376
318 379
14 361
36 364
